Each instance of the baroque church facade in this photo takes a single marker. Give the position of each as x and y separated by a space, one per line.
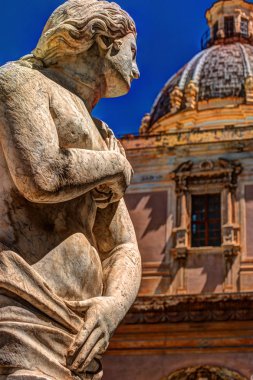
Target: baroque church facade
191 202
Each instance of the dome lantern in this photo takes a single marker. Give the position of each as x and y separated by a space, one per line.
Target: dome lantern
229 21
218 80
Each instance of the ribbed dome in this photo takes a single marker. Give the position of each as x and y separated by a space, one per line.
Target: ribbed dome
217 72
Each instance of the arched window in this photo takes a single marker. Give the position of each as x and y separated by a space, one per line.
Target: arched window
205 373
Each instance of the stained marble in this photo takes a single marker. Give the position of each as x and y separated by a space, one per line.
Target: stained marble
69 261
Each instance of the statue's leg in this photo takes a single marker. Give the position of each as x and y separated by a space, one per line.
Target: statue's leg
36 327
35 324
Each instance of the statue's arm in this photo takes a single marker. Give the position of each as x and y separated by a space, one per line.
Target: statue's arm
117 245
41 170
121 262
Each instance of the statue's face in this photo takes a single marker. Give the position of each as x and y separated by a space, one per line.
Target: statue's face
121 67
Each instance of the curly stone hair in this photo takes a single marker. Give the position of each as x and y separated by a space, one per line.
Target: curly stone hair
75 25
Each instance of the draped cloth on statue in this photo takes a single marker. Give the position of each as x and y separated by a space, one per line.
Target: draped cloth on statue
36 326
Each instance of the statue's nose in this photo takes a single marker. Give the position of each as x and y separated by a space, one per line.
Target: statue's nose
136 73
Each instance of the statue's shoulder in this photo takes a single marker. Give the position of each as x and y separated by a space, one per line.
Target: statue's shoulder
14 76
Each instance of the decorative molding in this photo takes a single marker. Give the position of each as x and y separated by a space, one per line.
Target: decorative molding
156 269
231 240
145 124
190 137
195 308
180 251
222 171
176 98
191 93
197 177
249 89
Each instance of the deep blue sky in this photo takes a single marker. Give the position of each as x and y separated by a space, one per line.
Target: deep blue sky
169 33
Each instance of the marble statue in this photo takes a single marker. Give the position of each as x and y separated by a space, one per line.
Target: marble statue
69 262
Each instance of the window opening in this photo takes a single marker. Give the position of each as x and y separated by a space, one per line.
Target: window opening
206 220
229 26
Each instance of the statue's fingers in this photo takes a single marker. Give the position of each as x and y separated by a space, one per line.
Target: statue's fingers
116 146
111 145
99 348
87 348
82 336
121 149
107 141
109 131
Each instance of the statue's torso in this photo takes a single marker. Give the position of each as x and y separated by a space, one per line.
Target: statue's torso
56 239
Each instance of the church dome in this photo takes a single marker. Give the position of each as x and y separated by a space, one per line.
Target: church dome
218 72
221 75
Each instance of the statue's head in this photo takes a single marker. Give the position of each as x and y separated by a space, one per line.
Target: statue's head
78 25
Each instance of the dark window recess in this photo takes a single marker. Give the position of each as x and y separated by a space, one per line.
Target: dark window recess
206 220
229 26
215 30
244 27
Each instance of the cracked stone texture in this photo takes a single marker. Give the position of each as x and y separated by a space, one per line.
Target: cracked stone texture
69 261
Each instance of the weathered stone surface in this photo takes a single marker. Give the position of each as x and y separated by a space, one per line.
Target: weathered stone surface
69 261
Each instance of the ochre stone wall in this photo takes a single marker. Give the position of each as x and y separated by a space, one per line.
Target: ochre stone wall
205 273
148 212
156 367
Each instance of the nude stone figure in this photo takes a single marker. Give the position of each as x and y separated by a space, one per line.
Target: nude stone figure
69 261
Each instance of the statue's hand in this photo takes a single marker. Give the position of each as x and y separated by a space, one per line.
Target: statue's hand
120 186
127 170
114 144
101 319
114 190
107 133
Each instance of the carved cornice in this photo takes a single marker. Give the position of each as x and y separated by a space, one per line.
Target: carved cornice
222 171
196 308
238 138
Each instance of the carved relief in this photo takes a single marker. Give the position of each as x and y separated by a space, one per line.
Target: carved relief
145 124
197 308
220 175
205 373
191 93
222 171
176 98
